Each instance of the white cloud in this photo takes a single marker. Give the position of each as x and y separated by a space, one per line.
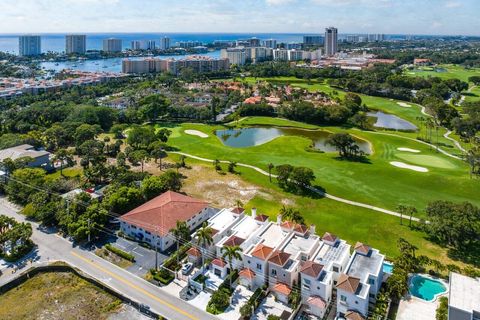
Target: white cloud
452 4
278 2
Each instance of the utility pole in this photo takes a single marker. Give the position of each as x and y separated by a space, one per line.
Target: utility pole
88 229
156 249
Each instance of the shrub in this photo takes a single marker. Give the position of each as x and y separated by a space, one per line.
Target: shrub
219 301
121 253
442 310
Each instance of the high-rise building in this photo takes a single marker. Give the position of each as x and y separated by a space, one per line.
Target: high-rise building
75 43
331 41
143 45
312 40
189 44
165 43
271 43
29 45
112 45
237 56
198 64
280 54
353 38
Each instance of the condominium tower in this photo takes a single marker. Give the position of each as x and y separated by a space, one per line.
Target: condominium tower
75 43
331 40
165 43
29 46
112 45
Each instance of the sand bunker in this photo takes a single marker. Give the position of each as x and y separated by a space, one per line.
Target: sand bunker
196 133
408 166
408 150
404 105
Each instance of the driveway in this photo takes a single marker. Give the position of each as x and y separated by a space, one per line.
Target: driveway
270 307
144 258
239 298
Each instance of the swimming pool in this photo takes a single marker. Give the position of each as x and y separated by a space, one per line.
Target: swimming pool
387 267
426 288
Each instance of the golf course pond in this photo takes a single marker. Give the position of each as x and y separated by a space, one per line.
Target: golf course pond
254 136
389 121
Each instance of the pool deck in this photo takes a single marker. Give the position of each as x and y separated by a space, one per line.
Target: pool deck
415 308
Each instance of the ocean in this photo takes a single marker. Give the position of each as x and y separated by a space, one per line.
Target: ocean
56 42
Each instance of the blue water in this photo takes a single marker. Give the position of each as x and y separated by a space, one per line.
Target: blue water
56 42
426 288
110 65
387 268
390 121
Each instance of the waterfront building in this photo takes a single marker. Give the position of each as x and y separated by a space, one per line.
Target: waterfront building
165 43
312 40
331 41
237 56
75 43
112 45
29 45
280 55
353 38
198 64
143 45
270 43
189 44
293 46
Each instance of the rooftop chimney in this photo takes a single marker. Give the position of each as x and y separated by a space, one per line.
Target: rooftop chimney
254 213
312 229
279 219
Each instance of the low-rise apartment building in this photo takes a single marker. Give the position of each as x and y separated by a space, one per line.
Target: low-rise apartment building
361 282
464 298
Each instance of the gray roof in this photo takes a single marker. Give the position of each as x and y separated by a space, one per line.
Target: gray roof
24 150
464 293
362 265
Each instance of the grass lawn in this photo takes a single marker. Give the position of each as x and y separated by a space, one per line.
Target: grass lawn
113 258
451 72
376 183
473 95
57 296
67 172
350 223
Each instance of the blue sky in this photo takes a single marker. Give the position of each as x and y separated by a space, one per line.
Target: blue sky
292 16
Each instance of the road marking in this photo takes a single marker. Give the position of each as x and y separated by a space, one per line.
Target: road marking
119 245
145 292
141 255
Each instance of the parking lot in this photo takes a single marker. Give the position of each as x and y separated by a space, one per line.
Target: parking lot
144 258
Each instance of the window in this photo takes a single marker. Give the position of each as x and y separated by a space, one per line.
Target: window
371 281
133 227
371 295
335 269
343 298
259 266
274 272
356 302
147 232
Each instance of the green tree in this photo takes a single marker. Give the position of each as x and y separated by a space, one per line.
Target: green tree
230 253
345 144
271 166
85 132
181 233
23 183
204 238
64 157
122 199
139 156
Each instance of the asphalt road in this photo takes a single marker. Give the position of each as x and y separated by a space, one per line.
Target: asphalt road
52 247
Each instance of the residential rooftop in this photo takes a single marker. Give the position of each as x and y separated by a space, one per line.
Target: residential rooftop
298 244
361 265
328 254
222 220
464 293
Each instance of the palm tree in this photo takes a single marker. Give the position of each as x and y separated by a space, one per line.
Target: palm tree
402 210
270 168
238 203
216 164
181 232
291 215
229 253
204 238
411 211
63 155
182 160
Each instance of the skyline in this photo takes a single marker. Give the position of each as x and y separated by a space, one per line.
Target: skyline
428 17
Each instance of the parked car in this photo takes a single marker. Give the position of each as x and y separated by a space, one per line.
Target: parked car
187 268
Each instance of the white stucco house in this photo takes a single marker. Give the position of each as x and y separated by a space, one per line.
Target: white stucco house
153 221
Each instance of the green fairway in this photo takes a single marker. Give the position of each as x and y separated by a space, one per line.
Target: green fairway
427 160
447 71
376 183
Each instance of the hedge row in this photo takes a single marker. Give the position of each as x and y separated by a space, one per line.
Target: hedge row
120 252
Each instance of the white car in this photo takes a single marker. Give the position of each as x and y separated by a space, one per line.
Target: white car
187 268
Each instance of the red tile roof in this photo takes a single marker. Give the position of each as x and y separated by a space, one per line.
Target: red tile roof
362 248
311 269
352 315
301 228
247 273
329 237
261 218
238 210
282 288
233 241
194 252
262 251
317 302
161 214
288 225
279 258
347 283
219 263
